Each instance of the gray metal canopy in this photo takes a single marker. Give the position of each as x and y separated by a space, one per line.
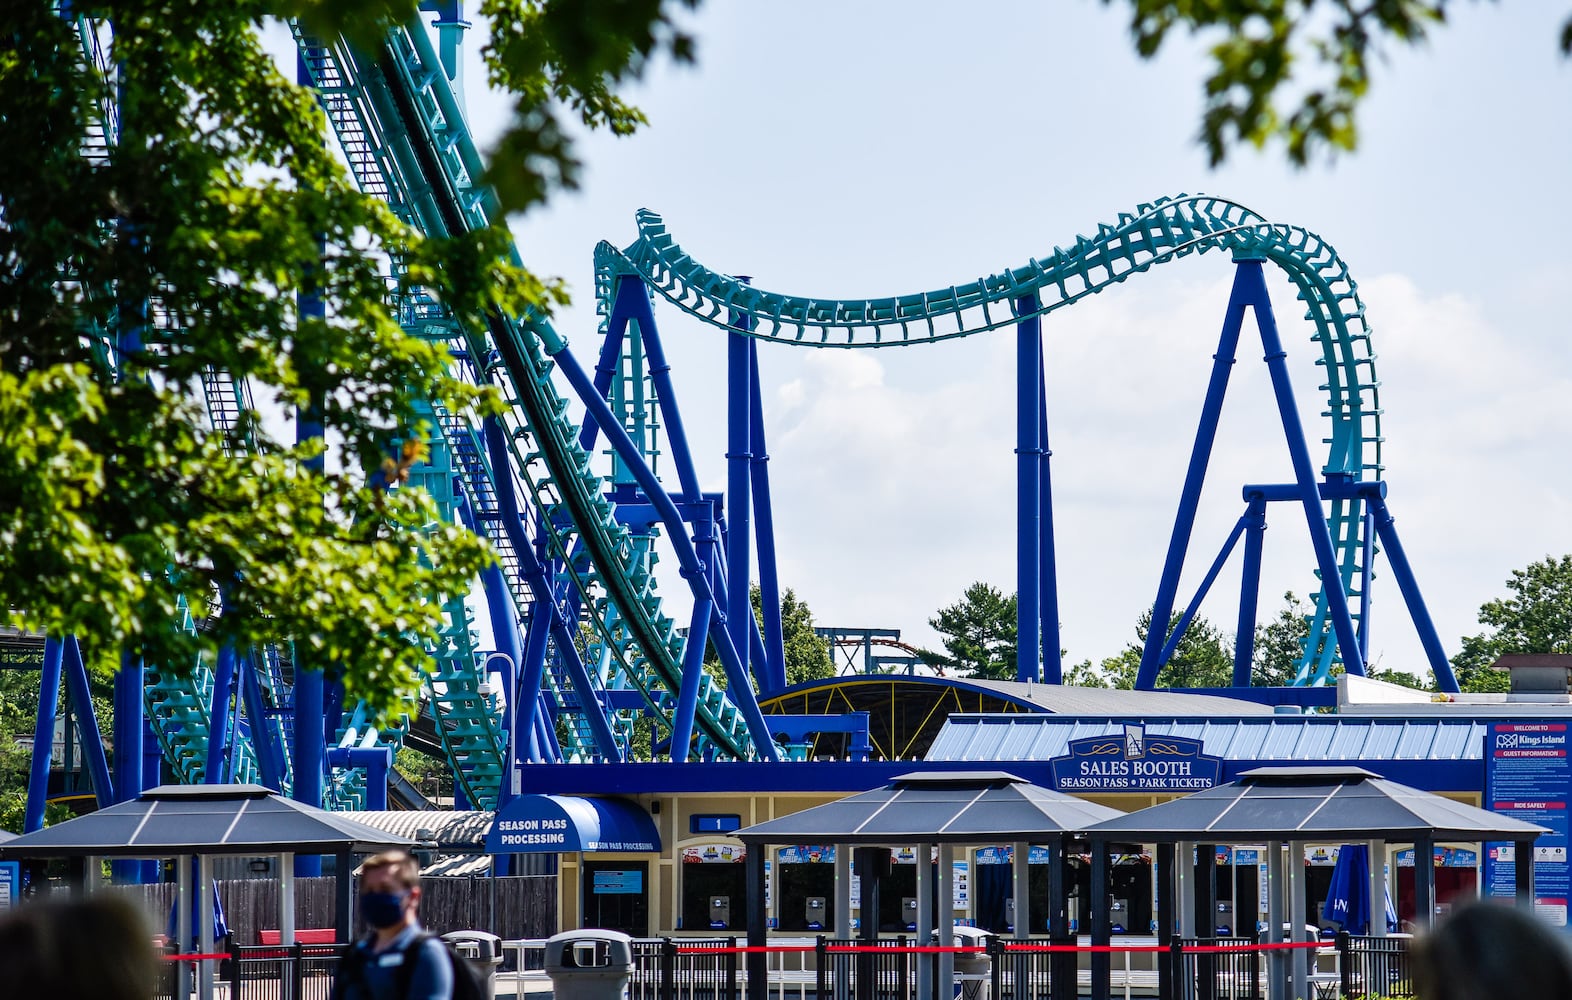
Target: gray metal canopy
172 820
1300 803
936 807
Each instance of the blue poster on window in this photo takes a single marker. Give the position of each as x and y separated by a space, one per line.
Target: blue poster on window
617 882
1528 776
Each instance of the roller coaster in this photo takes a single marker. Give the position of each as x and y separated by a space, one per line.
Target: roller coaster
584 648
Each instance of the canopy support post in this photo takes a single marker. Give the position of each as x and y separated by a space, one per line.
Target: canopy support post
925 927
946 918
1297 905
286 898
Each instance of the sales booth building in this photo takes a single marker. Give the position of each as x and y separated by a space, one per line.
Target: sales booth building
650 849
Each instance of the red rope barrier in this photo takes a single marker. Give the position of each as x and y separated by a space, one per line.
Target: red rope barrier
890 949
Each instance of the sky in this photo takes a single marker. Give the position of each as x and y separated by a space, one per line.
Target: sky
882 148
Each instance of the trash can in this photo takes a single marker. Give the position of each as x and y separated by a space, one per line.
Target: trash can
481 948
589 964
972 970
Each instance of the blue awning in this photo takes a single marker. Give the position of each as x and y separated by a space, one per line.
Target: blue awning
554 824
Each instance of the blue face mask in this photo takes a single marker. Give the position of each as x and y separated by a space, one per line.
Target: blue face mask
382 909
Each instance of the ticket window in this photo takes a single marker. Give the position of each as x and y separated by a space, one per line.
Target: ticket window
1238 899
895 889
805 896
714 888
1129 884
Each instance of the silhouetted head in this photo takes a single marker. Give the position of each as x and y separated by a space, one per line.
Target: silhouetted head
1492 951
84 949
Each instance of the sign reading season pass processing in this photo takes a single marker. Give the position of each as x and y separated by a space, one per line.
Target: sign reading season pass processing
1135 762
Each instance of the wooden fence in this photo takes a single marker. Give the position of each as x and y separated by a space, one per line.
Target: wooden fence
521 906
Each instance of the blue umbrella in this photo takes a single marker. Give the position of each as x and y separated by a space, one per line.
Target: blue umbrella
220 926
1348 897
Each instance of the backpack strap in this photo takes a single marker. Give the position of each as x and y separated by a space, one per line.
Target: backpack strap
406 969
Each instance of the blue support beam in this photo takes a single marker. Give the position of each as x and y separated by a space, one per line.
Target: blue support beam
534 573
739 456
1195 477
1249 591
221 748
1408 586
1194 606
1249 271
80 691
264 732
1028 480
1366 578
43 736
764 534
1048 559
739 689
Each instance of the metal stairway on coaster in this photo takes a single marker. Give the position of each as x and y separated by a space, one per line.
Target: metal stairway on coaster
1164 230
412 135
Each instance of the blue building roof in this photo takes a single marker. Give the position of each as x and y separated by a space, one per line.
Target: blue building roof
1001 738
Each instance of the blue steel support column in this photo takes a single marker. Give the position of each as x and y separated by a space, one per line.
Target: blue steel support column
739 690
306 754
764 533
1048 560
1249 271
1249 591
130 725
1366 578
307 746
219 744
534 573
1195 477
1409 588
43 736
1028 482
739 395
87 723
1200 593
632 301
270 755
606 366
532 673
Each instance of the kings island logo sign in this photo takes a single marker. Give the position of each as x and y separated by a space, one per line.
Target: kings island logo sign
1135 761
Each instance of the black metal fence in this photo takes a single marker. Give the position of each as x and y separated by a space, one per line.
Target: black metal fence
1039 969
854 969
1222 968
1233 968
691 969
1374 966
265 972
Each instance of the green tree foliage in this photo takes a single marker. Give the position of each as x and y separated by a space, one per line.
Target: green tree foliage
1289 71
1203 658
18 715
1536 617
807 656
119 506
1280 643
978 633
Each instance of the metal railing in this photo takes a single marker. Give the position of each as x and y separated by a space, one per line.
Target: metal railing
1374 966
1232 968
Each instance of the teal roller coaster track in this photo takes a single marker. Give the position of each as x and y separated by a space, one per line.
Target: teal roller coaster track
584 645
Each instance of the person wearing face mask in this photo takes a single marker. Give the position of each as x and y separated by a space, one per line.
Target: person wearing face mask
397 960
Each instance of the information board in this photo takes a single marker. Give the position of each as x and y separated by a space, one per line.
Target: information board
10 884
609 883
1528 776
